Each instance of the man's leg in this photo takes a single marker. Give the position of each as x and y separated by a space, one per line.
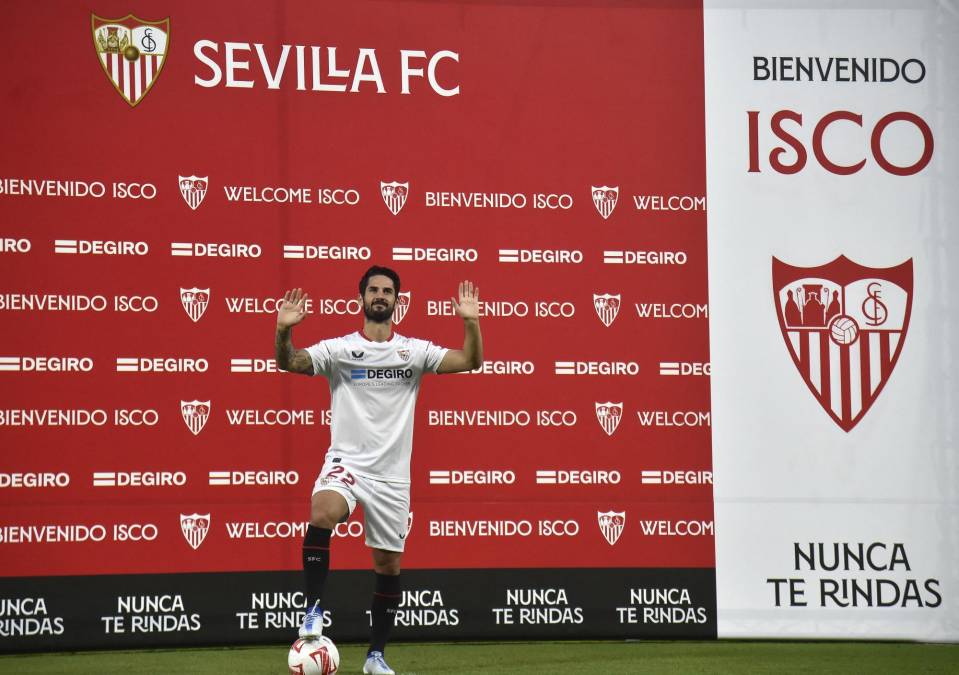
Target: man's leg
386 600
327 508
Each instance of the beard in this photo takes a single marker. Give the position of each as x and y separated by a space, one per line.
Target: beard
378 311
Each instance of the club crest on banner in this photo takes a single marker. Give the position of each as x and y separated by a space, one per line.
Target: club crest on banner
402 306
394 194
194 528
609 415
195 414
604 199
195 301
193 189
131 52
611 524
607 307
844 326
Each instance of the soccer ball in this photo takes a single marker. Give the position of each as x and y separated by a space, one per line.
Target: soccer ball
313 657
843 330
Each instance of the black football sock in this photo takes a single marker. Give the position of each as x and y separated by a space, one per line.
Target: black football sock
386 599
316 562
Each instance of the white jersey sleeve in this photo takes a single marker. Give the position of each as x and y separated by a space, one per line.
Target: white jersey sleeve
432 355
322 355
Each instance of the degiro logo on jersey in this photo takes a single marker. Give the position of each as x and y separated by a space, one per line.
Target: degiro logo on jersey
381 377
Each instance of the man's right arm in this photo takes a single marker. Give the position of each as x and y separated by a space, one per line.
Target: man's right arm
291 312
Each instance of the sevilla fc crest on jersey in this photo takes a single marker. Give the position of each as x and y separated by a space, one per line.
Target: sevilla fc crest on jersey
609 414
195 301
844 326
607 307
193 189
132 52
394 194
195 414
605 198
401 307
611 524
194 528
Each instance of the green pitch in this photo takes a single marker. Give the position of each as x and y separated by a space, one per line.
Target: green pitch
517 658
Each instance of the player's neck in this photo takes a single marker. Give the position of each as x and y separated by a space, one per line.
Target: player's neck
377 332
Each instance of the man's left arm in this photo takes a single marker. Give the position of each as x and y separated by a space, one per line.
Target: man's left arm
470 357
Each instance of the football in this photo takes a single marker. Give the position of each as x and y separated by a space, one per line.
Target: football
313 657
843 330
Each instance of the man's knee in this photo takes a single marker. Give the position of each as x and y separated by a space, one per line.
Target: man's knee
327 509
386 562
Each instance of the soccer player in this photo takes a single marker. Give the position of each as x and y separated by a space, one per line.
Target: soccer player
374 377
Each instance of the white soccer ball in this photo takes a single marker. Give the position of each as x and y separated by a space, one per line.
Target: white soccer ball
843 330
313 657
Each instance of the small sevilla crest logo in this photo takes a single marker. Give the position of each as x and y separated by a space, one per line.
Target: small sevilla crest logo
132 52
195 301
607 307
403 354
194 528
609 414
193 189
394 194
611 524
402 306
195 414
604 199
844 326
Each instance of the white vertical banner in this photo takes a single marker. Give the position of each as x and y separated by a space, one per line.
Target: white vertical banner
833 188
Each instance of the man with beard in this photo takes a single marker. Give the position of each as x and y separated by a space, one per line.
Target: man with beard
374 377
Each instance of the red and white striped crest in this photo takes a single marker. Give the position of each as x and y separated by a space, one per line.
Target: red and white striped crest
132 52
611 524
401 307
605 198
394 194
607 307
844 326
195 301
195 414
193 189
609 414
194 528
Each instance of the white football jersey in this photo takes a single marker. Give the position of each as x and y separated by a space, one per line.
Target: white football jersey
373 388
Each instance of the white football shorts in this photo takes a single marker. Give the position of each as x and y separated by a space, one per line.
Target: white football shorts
386 505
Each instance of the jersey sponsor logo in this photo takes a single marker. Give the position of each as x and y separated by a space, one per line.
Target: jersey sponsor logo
98 247
214 250
402 306
844 326
670 477
195 414
138 478
194 528
611 525
618 257
193 189
607 307
609 416
685 368
604 199
543 256
381 373
357 354
132 52
394 195
195 301
597 368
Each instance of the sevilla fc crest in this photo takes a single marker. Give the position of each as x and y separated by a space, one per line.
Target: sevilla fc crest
195 301
403 354
195 414
394 194
607 307
611 524
194 528
401 307
193 189
605 198
609 414
132 52
844 326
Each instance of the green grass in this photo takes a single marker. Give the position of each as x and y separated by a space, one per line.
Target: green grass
517 658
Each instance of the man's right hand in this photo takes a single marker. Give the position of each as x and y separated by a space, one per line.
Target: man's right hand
292 309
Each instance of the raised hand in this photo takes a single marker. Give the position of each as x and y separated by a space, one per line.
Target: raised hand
292 309
468 306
